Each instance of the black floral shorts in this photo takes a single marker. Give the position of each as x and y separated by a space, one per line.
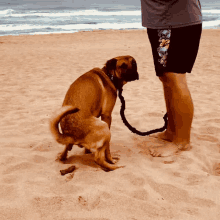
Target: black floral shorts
175 50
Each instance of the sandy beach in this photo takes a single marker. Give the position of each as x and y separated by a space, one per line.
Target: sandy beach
35 73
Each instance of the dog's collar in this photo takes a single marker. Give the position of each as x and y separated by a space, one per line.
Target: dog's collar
111 77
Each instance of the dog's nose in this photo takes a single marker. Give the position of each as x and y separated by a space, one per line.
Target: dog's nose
131 77
136 76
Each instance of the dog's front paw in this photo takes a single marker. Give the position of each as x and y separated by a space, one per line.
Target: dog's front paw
61 157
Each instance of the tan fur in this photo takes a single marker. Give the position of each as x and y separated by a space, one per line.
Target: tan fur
92 95
54 122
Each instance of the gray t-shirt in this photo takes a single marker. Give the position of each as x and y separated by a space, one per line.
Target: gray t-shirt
161 14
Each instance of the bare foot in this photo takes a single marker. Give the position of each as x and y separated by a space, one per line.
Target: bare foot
163 136
168 149
164 151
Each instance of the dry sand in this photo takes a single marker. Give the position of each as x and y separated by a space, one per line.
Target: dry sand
35 73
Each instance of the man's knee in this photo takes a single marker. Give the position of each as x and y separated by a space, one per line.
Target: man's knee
171 79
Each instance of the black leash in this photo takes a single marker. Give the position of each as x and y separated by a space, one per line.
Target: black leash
134 130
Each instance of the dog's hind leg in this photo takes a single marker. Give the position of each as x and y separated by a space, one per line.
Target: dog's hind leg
63 155
109 157
100 159
99 138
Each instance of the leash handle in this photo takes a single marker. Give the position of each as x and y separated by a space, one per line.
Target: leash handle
134 130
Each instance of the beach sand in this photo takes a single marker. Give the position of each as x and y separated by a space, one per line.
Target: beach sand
35 73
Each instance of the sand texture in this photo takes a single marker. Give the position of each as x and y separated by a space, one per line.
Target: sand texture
35 73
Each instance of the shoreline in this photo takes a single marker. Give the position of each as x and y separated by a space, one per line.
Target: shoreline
91 31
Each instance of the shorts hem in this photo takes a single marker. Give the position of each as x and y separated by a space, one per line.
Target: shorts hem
168 71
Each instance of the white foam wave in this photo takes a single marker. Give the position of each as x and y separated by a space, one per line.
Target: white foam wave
6 12
76 13
12 27
54 32
212 11
211 24
90 12
102 26
71 27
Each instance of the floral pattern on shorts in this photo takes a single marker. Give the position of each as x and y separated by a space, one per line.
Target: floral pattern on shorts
164 39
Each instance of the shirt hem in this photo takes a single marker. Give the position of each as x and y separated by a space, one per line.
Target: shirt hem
171 26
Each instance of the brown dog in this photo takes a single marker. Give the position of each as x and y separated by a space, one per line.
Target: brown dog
93 95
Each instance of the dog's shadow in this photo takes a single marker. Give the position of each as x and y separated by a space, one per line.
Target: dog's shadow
81 159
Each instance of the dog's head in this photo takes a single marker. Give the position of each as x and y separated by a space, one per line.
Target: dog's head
123 69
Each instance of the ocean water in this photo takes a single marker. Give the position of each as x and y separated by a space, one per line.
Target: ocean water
68 16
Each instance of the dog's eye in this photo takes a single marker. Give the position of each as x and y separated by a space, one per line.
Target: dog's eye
134 64
124 66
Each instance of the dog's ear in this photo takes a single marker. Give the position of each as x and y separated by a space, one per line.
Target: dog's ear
111 64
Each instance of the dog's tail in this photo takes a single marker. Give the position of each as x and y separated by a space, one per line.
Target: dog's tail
54 123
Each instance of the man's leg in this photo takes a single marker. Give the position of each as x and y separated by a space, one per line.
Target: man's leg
180 114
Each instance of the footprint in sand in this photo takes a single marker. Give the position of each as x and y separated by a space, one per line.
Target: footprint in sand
209 138
18 167
89 201
216 169
42 147
141 194
11 179
195 179
39 159
134 180
45 205
210 130
8 192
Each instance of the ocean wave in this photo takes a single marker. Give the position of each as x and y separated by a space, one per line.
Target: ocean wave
211 11
89 12
6 12
19 21
211 24
71 27
102 26
12 27
67 13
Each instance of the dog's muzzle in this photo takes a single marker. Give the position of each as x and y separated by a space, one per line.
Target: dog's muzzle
128 77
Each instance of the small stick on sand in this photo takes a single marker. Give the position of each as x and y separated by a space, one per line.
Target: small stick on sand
68 170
